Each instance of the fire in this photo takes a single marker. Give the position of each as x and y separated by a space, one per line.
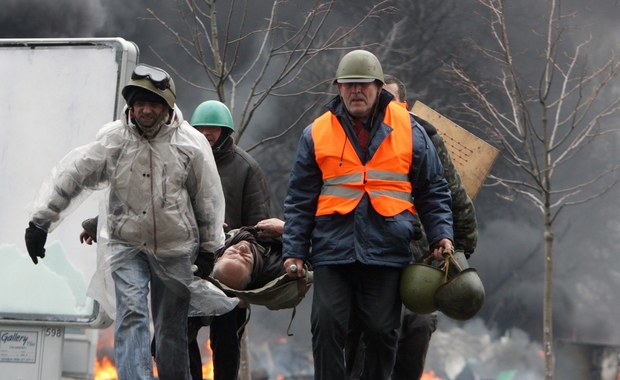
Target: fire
104 369
207 371
430 375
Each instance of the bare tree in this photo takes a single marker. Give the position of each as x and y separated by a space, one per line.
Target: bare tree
253 50
544 126
260 49
416 44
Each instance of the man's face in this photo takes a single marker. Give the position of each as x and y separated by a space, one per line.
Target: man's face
211 133
359 98
147 114
392 88
235 265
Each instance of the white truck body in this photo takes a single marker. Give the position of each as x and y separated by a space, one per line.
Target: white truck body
55 95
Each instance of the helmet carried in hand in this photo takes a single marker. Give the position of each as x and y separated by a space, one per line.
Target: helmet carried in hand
462 296
453 288
418 284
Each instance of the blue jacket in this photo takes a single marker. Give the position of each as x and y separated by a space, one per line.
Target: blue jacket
363 235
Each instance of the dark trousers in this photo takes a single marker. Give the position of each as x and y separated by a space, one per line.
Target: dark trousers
413 341
225 345
372 294
195 358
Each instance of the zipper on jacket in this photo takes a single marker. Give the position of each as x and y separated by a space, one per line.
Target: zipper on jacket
153 202
164 177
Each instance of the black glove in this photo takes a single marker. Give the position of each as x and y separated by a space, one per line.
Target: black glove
204 262
90 226
35 241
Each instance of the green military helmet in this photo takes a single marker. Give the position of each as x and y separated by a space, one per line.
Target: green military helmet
462 296
212 113
359 66
152 79
418 283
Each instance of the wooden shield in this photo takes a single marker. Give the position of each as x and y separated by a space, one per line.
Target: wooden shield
472 156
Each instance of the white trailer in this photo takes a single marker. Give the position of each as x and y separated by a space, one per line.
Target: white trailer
55 95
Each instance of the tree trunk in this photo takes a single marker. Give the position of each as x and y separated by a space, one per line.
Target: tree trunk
548 300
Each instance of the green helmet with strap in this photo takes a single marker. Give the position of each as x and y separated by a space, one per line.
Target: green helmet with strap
212 113
418 283
359 66
462 296
152 79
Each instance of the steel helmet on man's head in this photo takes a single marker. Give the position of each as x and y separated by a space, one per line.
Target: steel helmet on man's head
212 113
359 66
147 81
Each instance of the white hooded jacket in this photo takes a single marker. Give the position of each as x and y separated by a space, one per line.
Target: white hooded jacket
164 197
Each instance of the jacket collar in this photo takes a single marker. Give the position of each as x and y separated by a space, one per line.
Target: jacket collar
174 121
224 148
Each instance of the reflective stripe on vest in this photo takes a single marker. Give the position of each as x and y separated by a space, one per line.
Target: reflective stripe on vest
385 177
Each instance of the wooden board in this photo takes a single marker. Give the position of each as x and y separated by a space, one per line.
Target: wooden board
472 156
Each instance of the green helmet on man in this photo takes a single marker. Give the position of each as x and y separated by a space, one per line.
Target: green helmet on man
152 79
359 66
212 113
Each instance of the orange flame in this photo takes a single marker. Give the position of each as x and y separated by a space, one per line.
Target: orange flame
104 369
430 375
207 369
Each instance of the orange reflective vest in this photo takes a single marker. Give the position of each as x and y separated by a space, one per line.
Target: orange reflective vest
385 177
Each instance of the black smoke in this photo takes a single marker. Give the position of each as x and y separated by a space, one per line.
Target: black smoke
509 257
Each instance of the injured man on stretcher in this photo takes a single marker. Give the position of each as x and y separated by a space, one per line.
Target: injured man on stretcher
250 257
249 265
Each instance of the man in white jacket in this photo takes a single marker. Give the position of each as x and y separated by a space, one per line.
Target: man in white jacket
164 211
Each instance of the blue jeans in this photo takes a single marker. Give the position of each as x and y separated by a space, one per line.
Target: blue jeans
169 306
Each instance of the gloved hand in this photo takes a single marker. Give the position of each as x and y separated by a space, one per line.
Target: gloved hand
90 227
35 242
204 262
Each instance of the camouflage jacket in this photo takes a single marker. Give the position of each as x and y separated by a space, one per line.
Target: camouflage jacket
464 215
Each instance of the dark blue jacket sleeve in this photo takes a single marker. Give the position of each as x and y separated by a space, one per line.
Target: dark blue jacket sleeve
431 194
304 187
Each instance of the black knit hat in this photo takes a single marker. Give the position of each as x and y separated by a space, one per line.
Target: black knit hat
140 94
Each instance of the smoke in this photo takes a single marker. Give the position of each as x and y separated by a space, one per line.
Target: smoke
510 254
509 257
46 19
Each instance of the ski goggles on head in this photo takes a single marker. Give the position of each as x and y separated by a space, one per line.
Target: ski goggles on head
158 77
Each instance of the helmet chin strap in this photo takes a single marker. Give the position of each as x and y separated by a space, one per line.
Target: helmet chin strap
221 141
